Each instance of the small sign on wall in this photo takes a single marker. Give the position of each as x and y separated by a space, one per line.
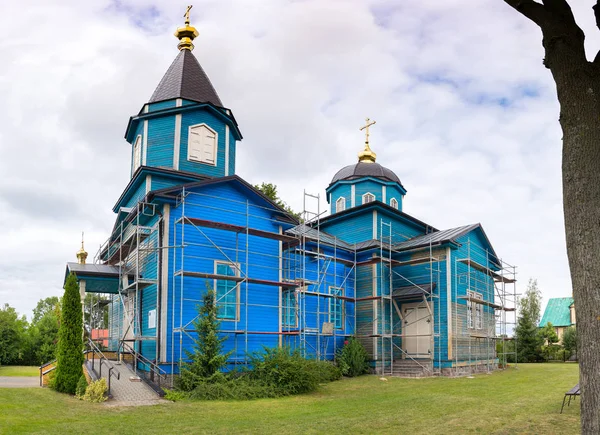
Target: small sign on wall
152 318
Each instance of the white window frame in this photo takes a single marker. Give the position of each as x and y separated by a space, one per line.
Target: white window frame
215 146
394 203
366 195
342 307
137 152
236 267
285 308
474 322
340 204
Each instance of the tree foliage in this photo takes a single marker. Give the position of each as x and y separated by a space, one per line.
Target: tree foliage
569 340
207 358
270 191
12 335
69 355
529 340
43 331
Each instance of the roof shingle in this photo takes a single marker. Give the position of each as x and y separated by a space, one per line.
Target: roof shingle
185 78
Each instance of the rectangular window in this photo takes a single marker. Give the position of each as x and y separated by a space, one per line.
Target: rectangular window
474 311
288 314
227 291
336 308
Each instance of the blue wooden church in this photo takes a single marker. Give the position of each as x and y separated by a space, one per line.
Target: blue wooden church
423 301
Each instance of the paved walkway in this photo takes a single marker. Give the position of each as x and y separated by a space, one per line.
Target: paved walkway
126 392
19 381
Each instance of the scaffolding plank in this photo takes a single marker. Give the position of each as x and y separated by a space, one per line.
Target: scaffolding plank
482 302
394 263
235 278
481 268
237 229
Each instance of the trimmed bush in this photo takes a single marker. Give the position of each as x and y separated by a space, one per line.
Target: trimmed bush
284 369
69 355
96 391
81 387
353 359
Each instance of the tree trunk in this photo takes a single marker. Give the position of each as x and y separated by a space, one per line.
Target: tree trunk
580 121
578 88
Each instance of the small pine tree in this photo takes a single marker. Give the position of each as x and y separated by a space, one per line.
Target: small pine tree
529 339
69 354
207 358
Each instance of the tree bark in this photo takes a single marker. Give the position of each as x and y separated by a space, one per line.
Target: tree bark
578 88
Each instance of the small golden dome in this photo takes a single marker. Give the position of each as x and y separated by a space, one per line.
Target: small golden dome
186 33
81 254
367 155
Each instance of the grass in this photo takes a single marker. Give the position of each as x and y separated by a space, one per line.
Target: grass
19 371
523 400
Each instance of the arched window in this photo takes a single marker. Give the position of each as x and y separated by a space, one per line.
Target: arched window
368 197
137 153
202 144
340 205
394 203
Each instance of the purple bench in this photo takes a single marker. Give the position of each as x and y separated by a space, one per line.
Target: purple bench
571 394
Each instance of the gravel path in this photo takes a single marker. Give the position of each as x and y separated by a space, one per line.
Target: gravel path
19 381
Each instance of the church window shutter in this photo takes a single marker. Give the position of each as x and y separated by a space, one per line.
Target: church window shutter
137 153
202 144
394 203
340 205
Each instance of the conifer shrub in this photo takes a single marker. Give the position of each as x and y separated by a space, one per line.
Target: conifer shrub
96 391
69 354
207 358
81 387
352 358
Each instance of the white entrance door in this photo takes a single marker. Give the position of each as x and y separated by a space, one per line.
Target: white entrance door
416 334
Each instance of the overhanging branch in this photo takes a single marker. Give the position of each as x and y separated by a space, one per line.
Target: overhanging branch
535 11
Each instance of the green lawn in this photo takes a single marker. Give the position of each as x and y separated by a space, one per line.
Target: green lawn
525 400
19 371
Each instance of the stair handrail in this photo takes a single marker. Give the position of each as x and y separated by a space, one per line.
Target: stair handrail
155 369
103 359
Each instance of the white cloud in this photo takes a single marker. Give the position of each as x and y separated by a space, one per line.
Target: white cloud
466 115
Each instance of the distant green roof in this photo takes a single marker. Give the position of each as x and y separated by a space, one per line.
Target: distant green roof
557 312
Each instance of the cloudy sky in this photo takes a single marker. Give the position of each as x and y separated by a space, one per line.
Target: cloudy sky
466 115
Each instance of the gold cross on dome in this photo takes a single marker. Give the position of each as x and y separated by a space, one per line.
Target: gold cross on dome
187 14
366 128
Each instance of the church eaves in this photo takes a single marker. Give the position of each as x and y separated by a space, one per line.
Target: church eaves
186 79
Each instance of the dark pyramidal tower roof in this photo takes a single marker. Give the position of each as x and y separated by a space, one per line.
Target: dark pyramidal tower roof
185 78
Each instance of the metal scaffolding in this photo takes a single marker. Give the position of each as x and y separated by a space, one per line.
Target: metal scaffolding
300 277
484 311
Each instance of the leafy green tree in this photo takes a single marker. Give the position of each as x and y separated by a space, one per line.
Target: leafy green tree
42 334
270 191
69 355
12 335
43 307
529 340
569 340
207 359
550 337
